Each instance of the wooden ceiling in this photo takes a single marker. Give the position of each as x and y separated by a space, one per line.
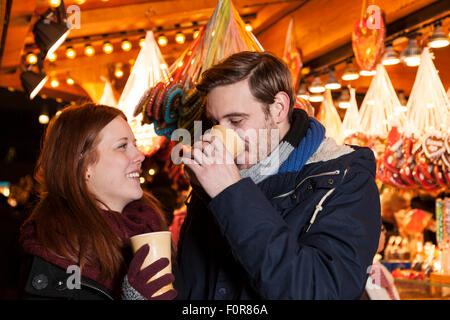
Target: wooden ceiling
321 26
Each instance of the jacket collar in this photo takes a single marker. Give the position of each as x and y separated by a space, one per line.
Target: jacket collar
321 164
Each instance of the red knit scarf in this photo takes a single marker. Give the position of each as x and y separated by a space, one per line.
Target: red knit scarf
136 218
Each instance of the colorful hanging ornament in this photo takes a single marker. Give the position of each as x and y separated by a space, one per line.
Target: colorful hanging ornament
176 103
368 37
418 157
292 55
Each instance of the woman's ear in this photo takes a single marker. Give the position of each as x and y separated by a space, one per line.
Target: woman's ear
279 109
87 174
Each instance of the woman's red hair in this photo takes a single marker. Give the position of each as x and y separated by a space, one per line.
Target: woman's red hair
68 220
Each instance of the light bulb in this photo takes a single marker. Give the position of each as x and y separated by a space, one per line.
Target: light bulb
118 72
52 57
54 3
302 92
316 86
367 73
344 99
180 37
411 55
126 45
438 39
44 118
332 82
349 74
390 57
54 83
107 47
162 40
141 42
316 98
31 58
89 50
196 33
70 53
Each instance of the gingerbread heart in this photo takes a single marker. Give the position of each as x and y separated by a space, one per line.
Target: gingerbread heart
367 41
433 147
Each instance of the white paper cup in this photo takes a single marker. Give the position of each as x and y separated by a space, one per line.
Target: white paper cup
231 140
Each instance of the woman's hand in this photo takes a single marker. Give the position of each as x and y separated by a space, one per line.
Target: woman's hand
138 278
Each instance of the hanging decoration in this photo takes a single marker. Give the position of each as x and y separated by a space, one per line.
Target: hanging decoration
305 105
148 70
368 37
329 117
417 154
378 112
176 103
350 125
292 55
107 98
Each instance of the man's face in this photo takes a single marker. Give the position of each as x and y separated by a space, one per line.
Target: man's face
236 108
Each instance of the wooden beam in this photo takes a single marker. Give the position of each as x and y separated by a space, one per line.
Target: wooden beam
144 15
270 14
82 62
19 26
323 25
418 17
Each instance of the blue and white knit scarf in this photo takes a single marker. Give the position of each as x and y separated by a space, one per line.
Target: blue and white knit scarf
287 158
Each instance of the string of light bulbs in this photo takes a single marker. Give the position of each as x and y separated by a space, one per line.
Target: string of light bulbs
410 56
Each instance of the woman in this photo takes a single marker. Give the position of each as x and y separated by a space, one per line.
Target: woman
91 204
380 284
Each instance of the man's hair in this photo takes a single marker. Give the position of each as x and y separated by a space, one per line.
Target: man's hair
266 74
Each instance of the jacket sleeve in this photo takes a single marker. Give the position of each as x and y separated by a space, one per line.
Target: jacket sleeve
330 261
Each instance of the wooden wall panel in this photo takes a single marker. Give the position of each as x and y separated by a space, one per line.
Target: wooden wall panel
322 25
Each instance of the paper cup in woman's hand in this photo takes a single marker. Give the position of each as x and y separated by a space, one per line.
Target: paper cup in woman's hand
160 247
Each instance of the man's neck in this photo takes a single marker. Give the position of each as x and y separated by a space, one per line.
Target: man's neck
284 129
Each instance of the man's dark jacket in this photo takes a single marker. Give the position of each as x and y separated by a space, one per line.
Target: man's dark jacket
253 242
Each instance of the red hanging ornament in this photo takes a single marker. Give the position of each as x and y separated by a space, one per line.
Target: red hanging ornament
368 37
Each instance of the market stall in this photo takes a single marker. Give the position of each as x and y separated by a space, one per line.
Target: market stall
374 73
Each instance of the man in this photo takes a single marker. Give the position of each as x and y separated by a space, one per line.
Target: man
301 223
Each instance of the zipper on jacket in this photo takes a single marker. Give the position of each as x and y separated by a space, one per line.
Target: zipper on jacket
336 172
97 289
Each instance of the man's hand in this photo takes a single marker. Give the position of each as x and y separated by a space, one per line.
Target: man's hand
212 164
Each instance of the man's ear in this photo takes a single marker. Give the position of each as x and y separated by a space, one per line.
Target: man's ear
279 109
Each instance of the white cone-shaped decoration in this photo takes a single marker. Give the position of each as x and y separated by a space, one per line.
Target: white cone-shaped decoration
148 70
108 98
379 105
329 117
352 119
428 105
